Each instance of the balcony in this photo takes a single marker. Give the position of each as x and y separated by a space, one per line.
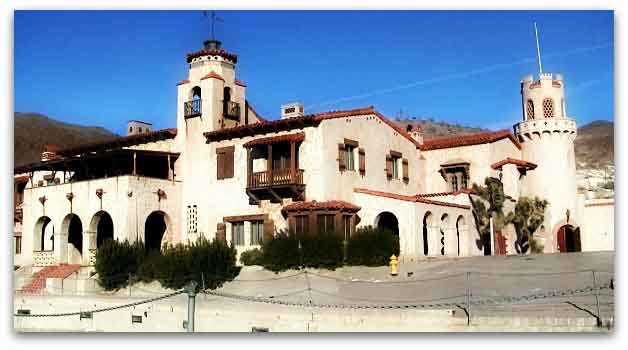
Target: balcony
192 109
281 177
231 110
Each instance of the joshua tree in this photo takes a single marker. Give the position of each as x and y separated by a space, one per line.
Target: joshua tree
528 216
493 195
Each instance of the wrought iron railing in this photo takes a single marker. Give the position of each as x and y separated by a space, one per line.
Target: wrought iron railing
192 108
277 177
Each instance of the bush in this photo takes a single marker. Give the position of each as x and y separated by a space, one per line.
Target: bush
210 264
251 257
116 261
322 251
372 247
281 253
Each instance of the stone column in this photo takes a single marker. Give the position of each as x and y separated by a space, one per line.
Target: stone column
89 248
61 247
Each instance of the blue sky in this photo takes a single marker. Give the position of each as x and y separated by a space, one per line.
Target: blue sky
106 67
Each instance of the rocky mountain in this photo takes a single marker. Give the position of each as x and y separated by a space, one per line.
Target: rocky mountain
33 130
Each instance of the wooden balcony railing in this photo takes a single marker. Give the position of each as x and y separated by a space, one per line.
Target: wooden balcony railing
279 177
231 110
192 108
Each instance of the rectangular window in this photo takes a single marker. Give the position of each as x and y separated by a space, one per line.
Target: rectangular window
325 223
395 167
349 158
192 219
257 232
454 183
18 245
464 181
405 170
224 162
346 226
237 233
301 225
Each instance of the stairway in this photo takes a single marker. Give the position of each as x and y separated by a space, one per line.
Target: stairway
38 282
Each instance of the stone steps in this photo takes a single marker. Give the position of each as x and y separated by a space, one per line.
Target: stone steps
38 283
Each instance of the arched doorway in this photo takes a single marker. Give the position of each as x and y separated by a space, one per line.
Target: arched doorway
102 225
444 224
427 223
568 238
387 221
43 238
154 230
461 228
73 227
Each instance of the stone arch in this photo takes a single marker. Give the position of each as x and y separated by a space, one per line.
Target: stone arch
444 226
387 221
427 224
195 93
102 227
43 235
72 228
461 230
155 228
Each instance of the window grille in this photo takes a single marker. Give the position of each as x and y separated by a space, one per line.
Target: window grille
530 109
548 108
192 219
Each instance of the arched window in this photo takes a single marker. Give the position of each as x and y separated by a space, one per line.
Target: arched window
225 101
548 108
530 109
130 129
196 93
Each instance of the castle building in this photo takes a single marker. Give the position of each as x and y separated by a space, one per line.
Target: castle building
226 172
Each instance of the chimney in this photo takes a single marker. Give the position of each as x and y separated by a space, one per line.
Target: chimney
49 153
416 132
292 110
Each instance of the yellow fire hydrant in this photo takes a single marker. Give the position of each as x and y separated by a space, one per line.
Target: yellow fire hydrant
394 265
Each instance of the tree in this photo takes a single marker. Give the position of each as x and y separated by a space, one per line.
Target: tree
528 216
493 195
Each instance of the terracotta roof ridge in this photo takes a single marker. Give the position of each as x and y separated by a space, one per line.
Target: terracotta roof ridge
409 198
161 133
518 162
214 75
440 194
469 139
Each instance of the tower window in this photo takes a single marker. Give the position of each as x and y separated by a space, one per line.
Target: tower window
530 109
548 108
130 129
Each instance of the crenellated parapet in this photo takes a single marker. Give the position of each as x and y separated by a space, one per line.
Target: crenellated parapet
537 129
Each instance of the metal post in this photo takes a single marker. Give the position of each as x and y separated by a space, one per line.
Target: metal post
190 289
597 300
467 284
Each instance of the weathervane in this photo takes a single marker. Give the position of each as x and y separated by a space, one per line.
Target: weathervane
213 19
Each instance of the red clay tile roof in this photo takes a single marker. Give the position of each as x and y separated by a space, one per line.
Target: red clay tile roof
299 123
441 194
214 75
239 82
118 142
276 139
222 53
415 198
518 162
468 140
327 205
184 81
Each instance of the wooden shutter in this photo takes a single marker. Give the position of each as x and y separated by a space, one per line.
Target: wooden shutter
221 232
389 165
341 156
405 172
224 162
362 160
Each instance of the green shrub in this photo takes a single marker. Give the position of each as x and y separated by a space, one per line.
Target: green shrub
371 247
251 257
281 253
116 261
210 264
322 251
